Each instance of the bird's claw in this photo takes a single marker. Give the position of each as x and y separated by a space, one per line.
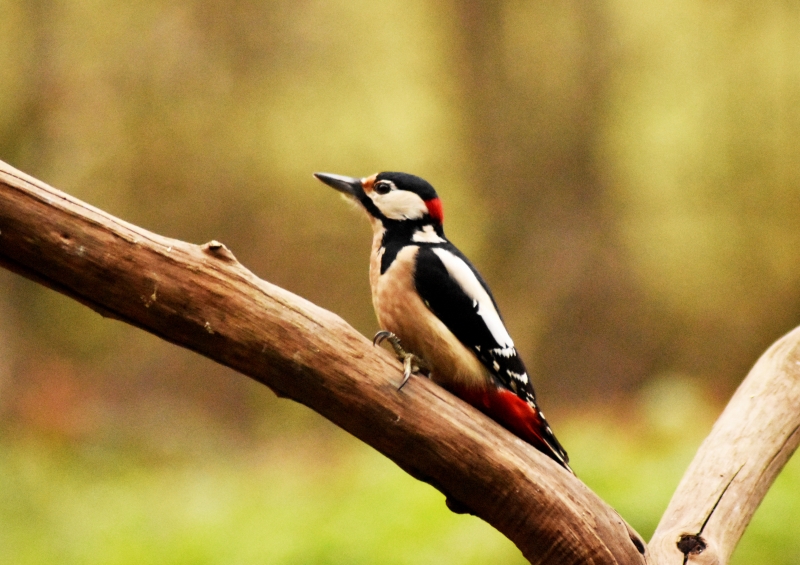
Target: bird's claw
408 368
380 337
393 340
411 363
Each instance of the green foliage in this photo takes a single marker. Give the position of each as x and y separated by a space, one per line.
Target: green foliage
325 500
334 503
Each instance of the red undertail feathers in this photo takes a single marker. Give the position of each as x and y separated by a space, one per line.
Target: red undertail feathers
519 417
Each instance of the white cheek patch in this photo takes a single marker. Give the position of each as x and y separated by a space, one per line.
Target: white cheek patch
466 279
400 205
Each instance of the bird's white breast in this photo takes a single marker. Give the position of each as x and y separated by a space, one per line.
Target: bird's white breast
400 310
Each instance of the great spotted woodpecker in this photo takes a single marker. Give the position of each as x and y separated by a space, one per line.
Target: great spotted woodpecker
437 311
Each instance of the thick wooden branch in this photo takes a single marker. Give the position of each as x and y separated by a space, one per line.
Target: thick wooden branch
736 464
201 298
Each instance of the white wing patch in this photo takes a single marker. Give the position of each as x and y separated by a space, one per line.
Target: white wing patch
426 235
523 378
400 205
466 279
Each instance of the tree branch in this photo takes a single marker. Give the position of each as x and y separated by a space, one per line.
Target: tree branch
737 463
201 298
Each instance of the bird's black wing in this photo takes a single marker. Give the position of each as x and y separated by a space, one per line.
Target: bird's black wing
457 294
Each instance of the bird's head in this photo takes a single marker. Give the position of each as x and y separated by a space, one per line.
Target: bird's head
391 198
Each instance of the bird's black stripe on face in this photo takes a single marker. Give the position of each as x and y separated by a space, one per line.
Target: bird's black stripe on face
372 210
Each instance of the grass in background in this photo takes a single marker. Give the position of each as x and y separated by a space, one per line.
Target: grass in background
332 500
337 502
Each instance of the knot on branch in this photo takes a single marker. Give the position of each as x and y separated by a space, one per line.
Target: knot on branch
637 541
218 250
691 544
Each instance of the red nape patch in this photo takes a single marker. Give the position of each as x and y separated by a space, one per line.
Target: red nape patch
435 209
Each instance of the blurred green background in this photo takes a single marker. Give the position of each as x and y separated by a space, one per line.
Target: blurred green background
625 174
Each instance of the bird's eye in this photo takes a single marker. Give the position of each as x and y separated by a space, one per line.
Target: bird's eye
382 187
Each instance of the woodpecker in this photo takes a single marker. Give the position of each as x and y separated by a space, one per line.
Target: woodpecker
436 310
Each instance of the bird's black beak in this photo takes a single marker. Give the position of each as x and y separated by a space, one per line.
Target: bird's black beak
350 186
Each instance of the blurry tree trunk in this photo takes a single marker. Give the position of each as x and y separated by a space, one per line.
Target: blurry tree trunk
535 110
201 298
22 136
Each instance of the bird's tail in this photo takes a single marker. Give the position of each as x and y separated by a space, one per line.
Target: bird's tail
520 417
556 450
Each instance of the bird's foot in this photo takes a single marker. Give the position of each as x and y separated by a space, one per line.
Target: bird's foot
393 340
411 363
